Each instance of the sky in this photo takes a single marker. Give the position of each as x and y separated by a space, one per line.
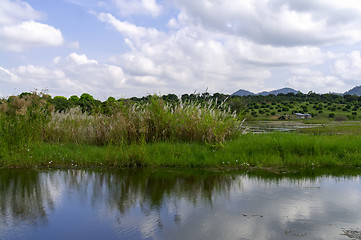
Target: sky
126 48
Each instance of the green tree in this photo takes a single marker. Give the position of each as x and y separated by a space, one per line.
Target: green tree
60 103
86 97
74 98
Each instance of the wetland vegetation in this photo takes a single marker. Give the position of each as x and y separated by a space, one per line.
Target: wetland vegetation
196 130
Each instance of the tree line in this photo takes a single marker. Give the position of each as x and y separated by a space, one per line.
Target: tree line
236 103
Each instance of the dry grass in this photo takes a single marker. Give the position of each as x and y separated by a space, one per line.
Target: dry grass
152 122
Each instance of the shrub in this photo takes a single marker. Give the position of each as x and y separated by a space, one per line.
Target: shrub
23 120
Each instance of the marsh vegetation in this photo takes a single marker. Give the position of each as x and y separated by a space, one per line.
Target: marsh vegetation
194 131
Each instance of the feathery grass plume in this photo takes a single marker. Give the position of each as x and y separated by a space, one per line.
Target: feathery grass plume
154 121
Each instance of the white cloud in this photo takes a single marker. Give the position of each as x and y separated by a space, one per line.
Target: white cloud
88 75
126 28
80 59
38 77
19 30
219 45
192 57
173 23
306 80
13 12
71 75
271 55
8 76
130 7
349 67
281 23
29 34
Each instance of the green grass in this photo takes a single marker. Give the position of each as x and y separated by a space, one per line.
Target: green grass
333 128
247 151
158 134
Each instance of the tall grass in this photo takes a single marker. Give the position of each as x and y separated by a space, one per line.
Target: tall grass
145 123
22 121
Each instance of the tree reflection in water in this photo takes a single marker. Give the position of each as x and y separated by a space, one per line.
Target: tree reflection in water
139 202
25 196
148 188
28 195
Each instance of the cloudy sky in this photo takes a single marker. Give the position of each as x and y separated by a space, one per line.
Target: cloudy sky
126 48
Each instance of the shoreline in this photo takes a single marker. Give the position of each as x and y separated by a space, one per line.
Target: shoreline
260 151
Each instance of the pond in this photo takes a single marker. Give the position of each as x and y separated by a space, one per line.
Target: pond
178 204
276 126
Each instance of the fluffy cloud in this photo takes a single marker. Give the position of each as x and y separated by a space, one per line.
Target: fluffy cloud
227 45
349 67
281 23
73 74
191 57
307 80
87 75
188 46
29 34
12 12
18 30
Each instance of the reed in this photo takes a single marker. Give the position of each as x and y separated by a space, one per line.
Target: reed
152 122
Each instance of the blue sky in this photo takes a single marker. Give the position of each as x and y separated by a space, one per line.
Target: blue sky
126 48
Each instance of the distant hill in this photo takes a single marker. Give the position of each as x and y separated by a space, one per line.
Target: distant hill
354 91
278 91
243 92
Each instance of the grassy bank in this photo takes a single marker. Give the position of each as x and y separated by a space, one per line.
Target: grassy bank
129 134
265 150
158 134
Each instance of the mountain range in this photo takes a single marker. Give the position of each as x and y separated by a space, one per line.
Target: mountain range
354 91
243 92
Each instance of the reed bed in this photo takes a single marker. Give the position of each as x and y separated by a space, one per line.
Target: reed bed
30 119
145 123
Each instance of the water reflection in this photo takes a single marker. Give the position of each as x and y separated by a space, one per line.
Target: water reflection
176 204
23 197
149 189
276 126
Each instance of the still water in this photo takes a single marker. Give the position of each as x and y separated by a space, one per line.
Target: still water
177 204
